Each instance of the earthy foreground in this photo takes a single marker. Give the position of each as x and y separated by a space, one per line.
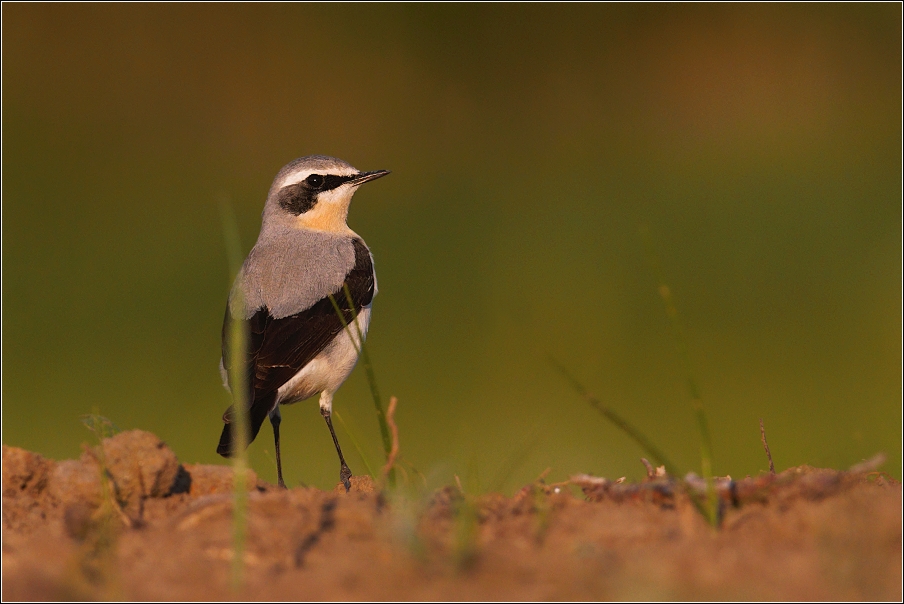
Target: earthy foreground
164 531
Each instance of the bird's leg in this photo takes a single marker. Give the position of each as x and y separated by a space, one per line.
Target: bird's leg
344 472
275 419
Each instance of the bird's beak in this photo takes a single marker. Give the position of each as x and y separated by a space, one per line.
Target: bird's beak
364 177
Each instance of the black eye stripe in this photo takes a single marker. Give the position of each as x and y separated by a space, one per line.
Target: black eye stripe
300 197
326 182
331 181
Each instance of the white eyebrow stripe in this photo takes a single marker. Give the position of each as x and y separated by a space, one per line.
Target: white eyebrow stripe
297 177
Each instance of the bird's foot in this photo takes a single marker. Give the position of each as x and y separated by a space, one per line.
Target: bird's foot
344 475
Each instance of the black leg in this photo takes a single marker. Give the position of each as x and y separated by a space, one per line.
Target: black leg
344 472
275 419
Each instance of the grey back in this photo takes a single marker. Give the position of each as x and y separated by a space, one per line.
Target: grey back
289 270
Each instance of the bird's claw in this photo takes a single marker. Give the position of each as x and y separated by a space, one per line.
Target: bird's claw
344 475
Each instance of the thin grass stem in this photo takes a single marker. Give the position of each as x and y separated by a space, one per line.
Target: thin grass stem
237 344
645 443
98 558
706 449
371 378
356 444
515 460
361 349
622 424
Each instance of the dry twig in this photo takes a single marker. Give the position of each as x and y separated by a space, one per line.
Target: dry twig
766 446
458 484
394 450
868 465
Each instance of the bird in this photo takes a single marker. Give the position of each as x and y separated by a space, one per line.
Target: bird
306 268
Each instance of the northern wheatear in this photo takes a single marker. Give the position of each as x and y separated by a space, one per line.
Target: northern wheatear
298 345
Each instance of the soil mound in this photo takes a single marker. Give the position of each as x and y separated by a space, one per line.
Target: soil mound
128 521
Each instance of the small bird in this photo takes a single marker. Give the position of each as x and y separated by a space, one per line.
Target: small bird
305 255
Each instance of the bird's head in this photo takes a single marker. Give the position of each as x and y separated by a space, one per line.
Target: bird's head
314 192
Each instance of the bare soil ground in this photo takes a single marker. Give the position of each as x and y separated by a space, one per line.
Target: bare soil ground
155 529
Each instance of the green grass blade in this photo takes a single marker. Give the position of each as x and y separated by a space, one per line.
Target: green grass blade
622 424
361 349
706 448
355 443
237 343
515 460
645 443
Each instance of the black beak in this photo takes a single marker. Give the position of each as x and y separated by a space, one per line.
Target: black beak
364 177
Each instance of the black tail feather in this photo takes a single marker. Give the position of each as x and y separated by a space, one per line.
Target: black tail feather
259 412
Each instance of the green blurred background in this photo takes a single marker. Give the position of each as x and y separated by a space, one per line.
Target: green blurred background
760 143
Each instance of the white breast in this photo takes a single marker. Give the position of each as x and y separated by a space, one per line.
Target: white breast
327 371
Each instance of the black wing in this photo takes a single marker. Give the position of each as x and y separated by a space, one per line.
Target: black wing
279 348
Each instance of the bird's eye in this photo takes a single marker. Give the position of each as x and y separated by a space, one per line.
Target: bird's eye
314 180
